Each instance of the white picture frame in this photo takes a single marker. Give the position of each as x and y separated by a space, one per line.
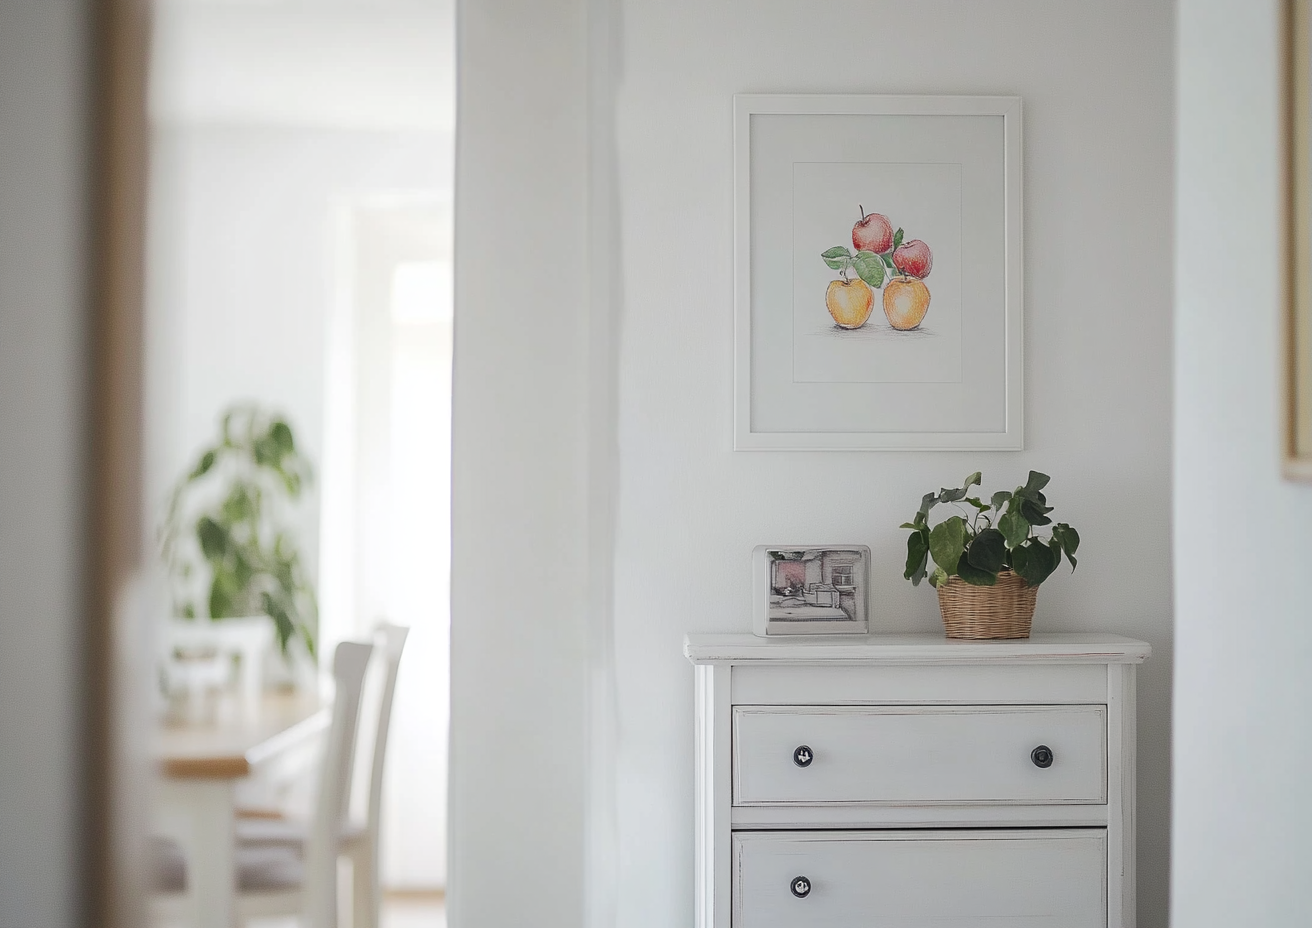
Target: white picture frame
805 376
810 590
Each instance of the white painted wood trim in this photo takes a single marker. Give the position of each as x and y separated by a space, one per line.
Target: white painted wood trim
713 796
1122 799
943 816
1082 727
1012 438
198 815
806 851
766 684
1099 669
1051 648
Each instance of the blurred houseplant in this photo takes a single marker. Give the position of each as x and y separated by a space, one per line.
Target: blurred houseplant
225 542
988 560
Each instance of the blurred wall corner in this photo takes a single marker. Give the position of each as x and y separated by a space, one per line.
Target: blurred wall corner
45 138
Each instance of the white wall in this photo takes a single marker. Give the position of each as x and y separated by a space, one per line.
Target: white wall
43 365
244 263
521 473
268 121
1243 745
1096 79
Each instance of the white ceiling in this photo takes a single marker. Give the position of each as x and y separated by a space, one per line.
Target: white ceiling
348 64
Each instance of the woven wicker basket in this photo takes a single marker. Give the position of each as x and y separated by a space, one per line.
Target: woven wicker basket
1003 610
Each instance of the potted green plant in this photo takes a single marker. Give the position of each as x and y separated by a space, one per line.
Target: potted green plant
988 559
225 539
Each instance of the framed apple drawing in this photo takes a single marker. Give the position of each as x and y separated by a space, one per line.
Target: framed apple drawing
878 273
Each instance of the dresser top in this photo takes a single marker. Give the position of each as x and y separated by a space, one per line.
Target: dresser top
924 648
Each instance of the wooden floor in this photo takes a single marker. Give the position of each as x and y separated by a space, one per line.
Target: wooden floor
399 911
414 911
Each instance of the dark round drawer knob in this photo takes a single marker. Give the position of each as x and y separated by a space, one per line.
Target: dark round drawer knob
1042 756
801 887
803 755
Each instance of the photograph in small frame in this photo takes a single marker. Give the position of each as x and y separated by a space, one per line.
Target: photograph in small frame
810 590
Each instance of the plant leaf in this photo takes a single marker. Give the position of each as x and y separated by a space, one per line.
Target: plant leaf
938 576
869 268
917 556
974 575
951 496
927 502
281 433
897 238
1034 513
213 538
1034 561
946 542
1000 499
971 481
1067 537
277 610
838 251
1036 481
978 504
1014 528
204 464
1069 541
988 552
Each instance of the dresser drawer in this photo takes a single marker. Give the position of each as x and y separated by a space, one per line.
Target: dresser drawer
909 879
920 755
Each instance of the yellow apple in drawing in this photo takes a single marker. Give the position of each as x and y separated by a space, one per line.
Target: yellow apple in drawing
850 302
906 300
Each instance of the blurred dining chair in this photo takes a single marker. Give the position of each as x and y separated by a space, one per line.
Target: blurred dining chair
359 841
284 879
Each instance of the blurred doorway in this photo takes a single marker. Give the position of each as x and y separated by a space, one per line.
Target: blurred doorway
298 262
386 498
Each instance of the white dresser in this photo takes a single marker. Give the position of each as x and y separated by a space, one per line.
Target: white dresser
909 781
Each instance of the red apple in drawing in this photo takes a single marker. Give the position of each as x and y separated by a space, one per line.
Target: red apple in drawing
873 233
913 258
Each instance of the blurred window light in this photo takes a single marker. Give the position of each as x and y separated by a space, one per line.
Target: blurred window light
421 292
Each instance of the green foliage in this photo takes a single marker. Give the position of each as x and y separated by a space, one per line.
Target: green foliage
223 541
866 264
988 538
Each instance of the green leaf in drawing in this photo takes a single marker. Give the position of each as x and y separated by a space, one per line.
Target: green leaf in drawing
837 263
897 238
888 261
838 251
869 268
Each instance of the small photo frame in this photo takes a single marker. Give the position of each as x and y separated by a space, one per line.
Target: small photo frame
810 590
